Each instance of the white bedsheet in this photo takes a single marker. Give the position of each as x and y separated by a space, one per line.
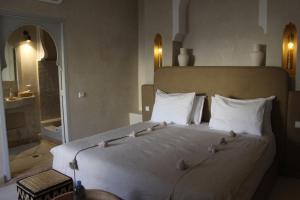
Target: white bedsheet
144 168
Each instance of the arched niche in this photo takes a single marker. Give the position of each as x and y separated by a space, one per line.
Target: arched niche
180 26
263 15
158 52
180 9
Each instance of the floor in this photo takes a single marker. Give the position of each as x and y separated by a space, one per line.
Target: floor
29 157
285 189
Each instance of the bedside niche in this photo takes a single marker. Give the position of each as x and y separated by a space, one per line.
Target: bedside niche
293 135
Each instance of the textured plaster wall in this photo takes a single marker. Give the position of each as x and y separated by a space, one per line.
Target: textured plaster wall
282 12
219 32
222 33
155 16
101 53
101 40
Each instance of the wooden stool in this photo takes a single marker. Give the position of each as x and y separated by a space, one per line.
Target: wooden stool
90 195
45 185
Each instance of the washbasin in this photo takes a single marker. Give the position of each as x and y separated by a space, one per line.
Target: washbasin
12 99
26 94
16 102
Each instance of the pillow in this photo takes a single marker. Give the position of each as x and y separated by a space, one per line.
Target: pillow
267 124
173 108
237 116
197 110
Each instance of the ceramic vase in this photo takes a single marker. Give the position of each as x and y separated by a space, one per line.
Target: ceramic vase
183 57
257 56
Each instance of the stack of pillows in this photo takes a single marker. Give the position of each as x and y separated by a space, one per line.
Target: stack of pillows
241 116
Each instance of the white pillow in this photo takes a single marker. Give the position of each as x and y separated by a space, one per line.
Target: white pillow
237 116
173 108
197 110
267 124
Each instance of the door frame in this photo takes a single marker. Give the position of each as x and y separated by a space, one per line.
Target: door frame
11 21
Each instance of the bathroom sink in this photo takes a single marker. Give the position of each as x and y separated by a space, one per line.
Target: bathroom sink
26 94
11 99
18 102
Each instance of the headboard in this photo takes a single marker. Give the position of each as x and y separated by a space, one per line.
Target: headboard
236 82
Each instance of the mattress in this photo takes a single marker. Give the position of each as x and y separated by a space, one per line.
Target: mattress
146 167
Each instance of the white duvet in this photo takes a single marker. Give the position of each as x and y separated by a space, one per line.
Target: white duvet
144 168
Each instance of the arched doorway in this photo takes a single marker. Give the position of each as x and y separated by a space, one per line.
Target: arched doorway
9 22
30 82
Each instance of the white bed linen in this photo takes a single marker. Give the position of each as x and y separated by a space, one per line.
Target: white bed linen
144 168
238 116
249 186
173 107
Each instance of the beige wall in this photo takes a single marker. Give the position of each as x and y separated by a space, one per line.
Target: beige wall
222 33
219 32
282 12
101 53
155 16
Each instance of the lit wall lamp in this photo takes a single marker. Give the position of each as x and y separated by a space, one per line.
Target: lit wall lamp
158 52
289 49
26 36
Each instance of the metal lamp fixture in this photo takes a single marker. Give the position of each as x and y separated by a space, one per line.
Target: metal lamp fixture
158 52
289 49
26 36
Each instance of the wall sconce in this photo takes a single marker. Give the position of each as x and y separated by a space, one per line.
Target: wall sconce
158 52
26 36
289 49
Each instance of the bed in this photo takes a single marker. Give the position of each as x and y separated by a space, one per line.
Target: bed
146 167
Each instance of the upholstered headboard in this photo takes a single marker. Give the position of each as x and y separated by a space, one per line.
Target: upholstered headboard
236 82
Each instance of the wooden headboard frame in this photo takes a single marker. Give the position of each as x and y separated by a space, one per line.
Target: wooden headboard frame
236 82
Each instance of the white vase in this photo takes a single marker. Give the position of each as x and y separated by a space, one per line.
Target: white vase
183 57
257 56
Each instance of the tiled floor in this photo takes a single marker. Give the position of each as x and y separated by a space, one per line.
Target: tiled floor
31 156
19 149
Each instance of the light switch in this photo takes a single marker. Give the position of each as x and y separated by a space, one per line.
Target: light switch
81 94
147 108
297 124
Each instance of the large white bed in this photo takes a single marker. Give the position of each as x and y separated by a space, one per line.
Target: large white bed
149 167
145 167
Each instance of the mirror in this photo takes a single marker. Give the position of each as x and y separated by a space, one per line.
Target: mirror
9 70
